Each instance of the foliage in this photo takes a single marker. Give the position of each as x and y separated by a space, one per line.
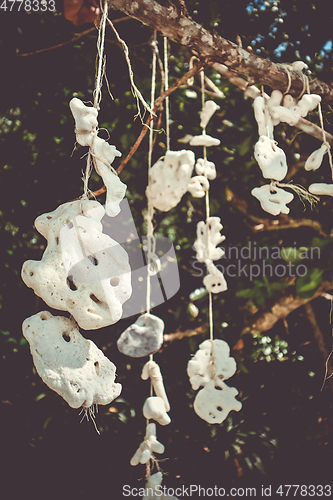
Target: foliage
284 429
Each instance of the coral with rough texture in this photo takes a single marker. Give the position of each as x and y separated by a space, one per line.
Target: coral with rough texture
271 159
68 363
208 237
198 186
86 123
212 361
214 281
152 370
316 158
82 270
154 408
206 168
294 113
273 199
149 446
204 140
214 402
207 112
169 178
143 338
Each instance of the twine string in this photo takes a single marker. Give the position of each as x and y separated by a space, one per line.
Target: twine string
166 86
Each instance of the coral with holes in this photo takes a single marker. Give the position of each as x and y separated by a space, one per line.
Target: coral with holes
208 237
273 199
214 281
212 361
271 159
214 402
82 270
143 338
68 363
169 178
149 446
198 186
316 158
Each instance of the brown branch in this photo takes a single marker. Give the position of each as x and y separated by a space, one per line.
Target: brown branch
213 47
178 334
320 340
263 321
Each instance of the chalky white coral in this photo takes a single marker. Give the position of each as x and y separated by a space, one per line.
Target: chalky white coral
154 489
154 407
152 370
273 199
149 446
214 402
208 237
169 179
82 270
212 361
271 159
86 129
143 338
68 363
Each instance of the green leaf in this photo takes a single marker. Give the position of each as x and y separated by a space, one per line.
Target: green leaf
291 254
307 285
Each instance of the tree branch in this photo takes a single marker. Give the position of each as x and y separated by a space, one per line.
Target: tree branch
216 49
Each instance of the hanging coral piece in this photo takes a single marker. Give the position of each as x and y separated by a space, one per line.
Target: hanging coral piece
271 159
152 370
293 114
204 140
212 361
321 188
263 118
198 186
214 402
273 199
207 112
214 281
86 123
149 446
208 237
143 338
169 178
154 488
316 158
82 270
86 128
206 168
154 408
68 363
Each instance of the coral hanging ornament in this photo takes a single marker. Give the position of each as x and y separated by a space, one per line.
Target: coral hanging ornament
321 188
206 168
82 270
214 402
143 338
207 112
214 281
169 179
316 158
212 361
271 159
149 446
154 408
294 113
198 186
154 490
208 237
152 370
68 363
273 199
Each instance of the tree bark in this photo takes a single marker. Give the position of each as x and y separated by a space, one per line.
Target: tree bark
214 49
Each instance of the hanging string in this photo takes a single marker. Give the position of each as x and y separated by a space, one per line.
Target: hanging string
137 94
210 297
97 93
166 86
324 138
